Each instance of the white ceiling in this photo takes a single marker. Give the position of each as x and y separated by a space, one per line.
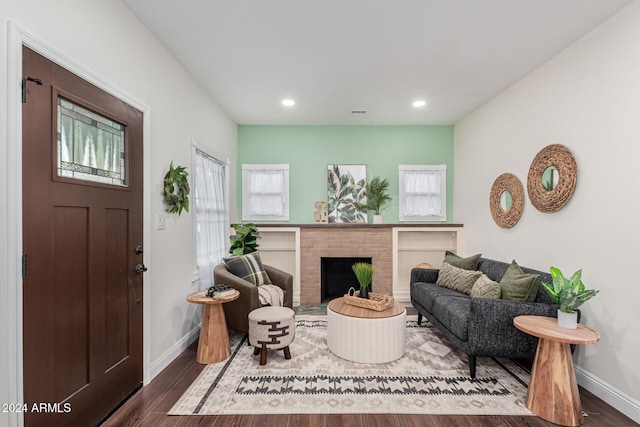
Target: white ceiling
335 56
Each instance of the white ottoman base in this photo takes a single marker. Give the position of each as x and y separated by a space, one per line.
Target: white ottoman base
366 340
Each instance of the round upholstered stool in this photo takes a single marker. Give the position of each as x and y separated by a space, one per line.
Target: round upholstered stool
271 328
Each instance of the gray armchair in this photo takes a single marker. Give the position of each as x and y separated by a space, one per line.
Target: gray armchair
237 312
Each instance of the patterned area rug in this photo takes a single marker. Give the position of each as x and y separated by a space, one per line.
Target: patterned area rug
431 378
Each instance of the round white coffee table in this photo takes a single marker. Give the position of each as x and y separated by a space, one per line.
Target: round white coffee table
366 336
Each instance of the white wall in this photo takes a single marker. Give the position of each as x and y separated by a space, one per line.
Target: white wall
103 37
587 98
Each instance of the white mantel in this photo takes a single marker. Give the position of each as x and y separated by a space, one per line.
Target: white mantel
393 248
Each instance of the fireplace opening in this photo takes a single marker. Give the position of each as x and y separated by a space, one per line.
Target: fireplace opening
336 277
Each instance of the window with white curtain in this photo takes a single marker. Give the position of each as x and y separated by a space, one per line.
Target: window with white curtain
265 192
211 219
423 192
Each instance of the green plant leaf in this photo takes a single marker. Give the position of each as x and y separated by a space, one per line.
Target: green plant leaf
552 293
575 277
587 295
558 280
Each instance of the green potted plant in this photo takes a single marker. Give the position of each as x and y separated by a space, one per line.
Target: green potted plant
245 241
364 273
377 198
569 294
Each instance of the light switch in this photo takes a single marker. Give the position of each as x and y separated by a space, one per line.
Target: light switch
161 222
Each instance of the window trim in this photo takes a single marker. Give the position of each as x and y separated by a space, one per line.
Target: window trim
246 170
442 168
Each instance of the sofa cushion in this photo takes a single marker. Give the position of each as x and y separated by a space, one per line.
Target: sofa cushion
468 263
485 288
454 312
516 285
458 279
426 294
249 267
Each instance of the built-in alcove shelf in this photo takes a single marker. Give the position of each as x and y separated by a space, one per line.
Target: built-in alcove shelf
394 248
416 245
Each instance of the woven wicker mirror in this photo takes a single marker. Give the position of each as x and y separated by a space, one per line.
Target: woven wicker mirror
506 200
552 178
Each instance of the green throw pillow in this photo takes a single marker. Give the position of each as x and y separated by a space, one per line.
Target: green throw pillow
516 285
468 263
485 288
455 278
249 267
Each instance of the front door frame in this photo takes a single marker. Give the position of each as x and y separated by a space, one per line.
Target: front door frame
13 167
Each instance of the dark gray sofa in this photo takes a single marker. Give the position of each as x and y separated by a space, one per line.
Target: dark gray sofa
480 326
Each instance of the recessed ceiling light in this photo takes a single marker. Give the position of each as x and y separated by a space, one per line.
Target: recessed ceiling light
288 102
419 104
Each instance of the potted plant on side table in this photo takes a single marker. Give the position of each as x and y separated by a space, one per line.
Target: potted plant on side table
364 274
569 294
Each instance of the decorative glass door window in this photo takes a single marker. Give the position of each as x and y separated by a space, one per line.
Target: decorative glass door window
91 147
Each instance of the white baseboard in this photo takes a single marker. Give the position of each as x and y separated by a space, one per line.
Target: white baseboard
170 355
623 403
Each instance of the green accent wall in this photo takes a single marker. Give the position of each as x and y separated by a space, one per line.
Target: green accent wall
309 149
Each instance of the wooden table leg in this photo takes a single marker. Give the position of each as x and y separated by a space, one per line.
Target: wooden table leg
553 392
213 345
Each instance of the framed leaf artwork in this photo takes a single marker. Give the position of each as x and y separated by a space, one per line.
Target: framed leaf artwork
346 187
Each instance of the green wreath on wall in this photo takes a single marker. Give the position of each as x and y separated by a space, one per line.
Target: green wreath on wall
176 189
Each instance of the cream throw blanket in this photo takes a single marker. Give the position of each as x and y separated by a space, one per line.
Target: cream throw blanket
270 295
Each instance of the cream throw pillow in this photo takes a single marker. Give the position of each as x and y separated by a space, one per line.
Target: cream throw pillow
458 279
485 288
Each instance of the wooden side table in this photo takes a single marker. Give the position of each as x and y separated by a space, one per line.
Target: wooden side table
553 392
213 345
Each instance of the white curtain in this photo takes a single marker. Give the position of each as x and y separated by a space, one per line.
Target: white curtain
211 216
422 193
266 190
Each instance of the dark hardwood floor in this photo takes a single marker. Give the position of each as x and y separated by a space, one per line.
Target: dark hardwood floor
149 407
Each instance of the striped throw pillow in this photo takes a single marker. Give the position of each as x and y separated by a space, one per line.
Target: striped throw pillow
249 267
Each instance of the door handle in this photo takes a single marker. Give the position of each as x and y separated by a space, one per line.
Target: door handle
140 268
138 250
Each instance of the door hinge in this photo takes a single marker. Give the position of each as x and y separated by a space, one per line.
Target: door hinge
24 86
24 266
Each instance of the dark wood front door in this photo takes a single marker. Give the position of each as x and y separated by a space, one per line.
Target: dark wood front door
82 222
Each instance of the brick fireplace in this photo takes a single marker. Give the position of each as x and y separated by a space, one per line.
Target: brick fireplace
335 241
